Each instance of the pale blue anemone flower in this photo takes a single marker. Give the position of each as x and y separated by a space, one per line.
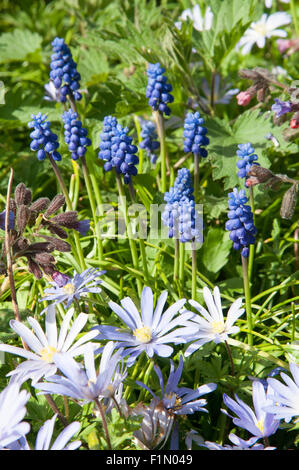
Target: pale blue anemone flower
44 438
286 396
180 401
239 444
12 410
150 331
86 384
66 289
211 325
44 345
258 422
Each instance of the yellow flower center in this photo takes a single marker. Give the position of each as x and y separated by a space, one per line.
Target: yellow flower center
260 425
144 334
47 354
69 288
218 326
260 28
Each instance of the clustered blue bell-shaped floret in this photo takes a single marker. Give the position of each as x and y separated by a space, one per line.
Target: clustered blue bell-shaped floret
158 90
240 223
75 135
247 158
195 134
43 139
182 187
117 150
180 214
148 142
64 72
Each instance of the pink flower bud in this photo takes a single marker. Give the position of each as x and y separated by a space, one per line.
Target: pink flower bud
243 98
283 45
294 123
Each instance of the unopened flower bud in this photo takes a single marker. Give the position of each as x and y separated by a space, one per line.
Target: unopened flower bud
243 98
289 202
56 203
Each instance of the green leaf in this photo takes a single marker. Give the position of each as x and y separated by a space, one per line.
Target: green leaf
18 44
215 250
251 126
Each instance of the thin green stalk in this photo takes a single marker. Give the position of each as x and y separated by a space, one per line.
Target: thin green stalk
128 227
196 176
230 357
140 150
182 263
247 299
70 208
140 240
100 408
92 201
294 16
194 270
293 332
251 247
176 259
163 156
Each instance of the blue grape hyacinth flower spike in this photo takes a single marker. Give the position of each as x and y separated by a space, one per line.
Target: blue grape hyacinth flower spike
117 150
158 90
195 134
64 72
43 139
247 158
75 135
240 223
149 142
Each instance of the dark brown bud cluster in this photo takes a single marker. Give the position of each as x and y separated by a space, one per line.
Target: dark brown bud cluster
258 174
31 221
261 79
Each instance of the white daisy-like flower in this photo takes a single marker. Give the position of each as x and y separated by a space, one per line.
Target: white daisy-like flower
211 325
45 436
266 27
286 395
268 3
44 345
200 21
12 411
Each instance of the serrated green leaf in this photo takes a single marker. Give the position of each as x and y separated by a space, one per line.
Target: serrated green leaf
18 44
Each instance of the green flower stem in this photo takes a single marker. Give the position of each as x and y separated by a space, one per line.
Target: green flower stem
140 150
147 373
182 263
70 208
128 227
294 16
251 247
194 270
196 176
136 369
230 357
247 299
141 241
100 408
163 154
176 259
90 192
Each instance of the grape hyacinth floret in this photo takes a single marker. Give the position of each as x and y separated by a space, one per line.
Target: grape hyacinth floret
148 143
247 158
64 71
240 223
117 150
180 214
43 137
195 134
158 90
75 135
